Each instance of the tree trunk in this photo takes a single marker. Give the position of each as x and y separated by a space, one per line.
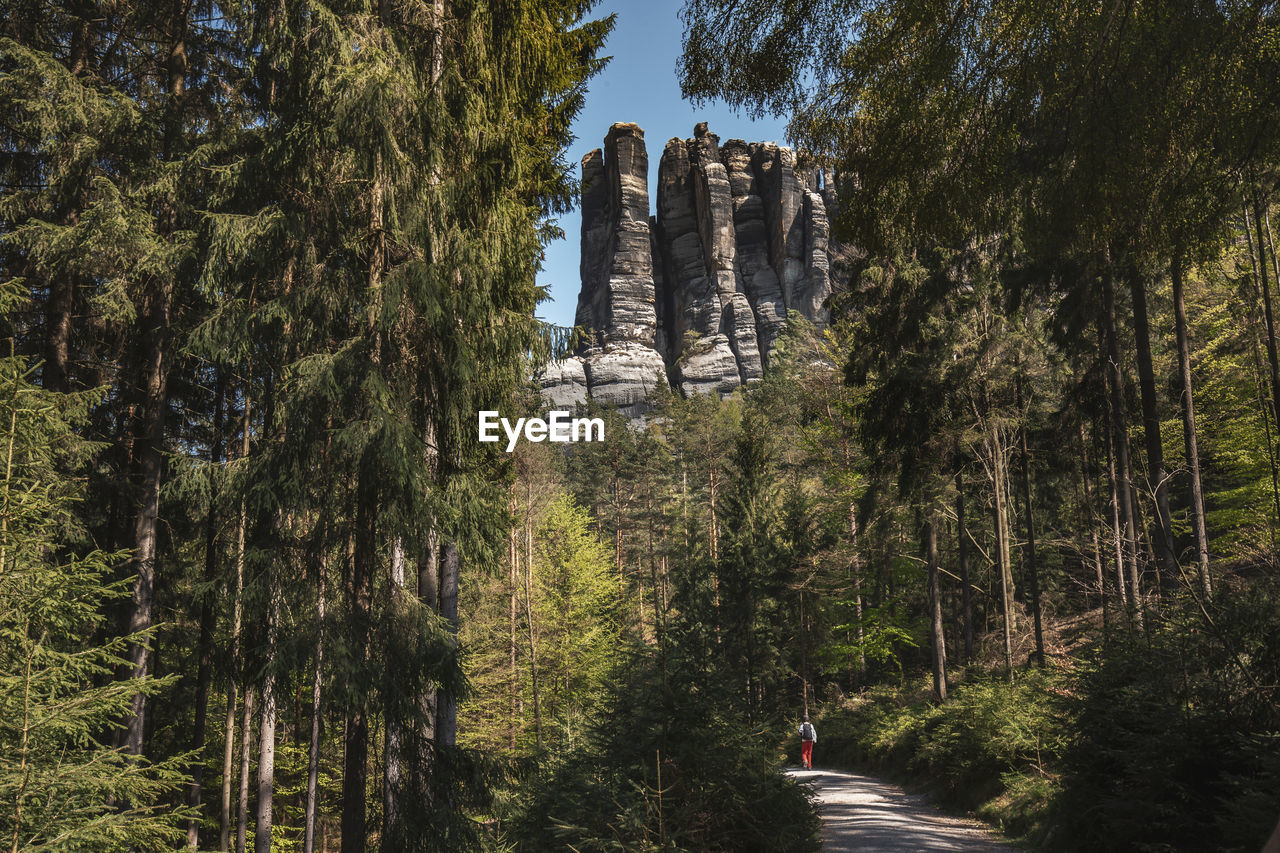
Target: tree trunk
237 665
1033 569
150 467
1265 286
1091 520
429 594
1163 532
1120 445
447 724
393 759
1189 430
204 646
267 734
855 568
313 756
1263 406
530 625
1117 535
937 637
966 594
154 378
246 751
355 778
513 685
55 373
1001 530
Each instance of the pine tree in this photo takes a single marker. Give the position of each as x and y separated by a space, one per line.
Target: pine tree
61 786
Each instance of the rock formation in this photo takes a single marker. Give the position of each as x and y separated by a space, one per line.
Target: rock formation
697 294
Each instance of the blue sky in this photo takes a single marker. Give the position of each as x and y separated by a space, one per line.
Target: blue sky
638 85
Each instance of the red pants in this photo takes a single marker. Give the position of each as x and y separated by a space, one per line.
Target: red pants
806 753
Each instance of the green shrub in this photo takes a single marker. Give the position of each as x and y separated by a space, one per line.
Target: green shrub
990 748
667 774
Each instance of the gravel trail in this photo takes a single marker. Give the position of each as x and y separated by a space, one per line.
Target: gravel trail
864 814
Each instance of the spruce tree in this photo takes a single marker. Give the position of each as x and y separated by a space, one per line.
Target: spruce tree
62 785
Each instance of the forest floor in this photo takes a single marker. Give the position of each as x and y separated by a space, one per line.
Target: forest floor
865 814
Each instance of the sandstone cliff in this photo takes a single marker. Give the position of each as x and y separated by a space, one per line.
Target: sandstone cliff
697 294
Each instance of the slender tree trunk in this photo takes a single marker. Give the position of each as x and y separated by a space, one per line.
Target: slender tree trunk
313 755
1001 530
1117 537
246 751
447 724
55 373
1091 520
204 646
237 665
936 634
966 594
1263 406
1189 430
355 778
150 466
429 594
1033 569
267 734
393 759
855 568
513 558
1263 281
1120 444
1163 532
531 627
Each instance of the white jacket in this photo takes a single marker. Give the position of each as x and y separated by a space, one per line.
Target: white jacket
813 730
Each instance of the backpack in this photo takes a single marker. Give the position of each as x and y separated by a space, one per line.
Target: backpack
806 731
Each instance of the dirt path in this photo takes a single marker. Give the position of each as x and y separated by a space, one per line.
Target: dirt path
864 814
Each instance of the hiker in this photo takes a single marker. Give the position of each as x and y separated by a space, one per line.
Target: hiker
808 737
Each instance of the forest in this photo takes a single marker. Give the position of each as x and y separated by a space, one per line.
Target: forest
1006 528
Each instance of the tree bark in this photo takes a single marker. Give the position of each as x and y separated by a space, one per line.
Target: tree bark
1263 406
267 733
204 646
855 568
1189 430
966 594
1116 534
154 377
1001 530
246 748
513 557
1272 359
1091 520
935 612
313 755
237 665
1163 532
1033 568
355 778
1120 445
530 624
447 724
393 758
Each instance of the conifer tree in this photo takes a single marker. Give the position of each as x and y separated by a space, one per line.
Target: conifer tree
61 786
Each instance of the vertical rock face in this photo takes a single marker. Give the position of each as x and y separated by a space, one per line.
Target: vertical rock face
759 278
700 291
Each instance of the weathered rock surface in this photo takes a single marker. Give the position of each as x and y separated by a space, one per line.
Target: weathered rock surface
625 375
751 233
700 291
709 365
564 382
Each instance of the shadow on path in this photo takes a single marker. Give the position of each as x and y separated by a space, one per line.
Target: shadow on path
864 814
